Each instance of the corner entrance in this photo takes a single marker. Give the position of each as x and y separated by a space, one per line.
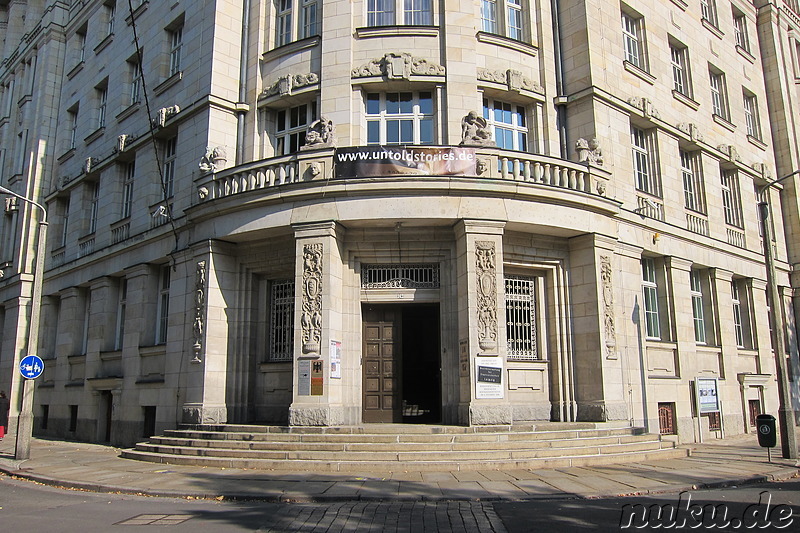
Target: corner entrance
401 364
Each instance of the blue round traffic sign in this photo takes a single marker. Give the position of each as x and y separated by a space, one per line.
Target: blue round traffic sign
31 367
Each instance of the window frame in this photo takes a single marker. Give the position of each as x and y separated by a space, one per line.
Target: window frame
644 161
128 180
162 305
692 177
633 39
296 20
681 71
110 9
289 133
170 154
740 32
385 118
518 128
175 45
719 94
731 198
122 303
281 321
135 93
102 104
526 305
499 16
752 119
94 205
650 299
698 306
709 13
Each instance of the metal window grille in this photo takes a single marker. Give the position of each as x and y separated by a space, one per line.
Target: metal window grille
521 334
281 339
714 422
666 418
411 276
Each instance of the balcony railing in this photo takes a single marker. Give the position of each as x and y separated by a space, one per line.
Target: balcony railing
697 224
319 166
736 237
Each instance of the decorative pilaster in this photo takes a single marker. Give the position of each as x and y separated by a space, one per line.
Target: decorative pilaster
606 273
311 318
198 326
487 295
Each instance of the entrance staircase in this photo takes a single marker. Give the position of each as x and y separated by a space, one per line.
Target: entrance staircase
397 447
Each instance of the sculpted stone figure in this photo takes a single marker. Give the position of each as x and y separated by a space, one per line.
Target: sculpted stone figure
320 134
589 151
475 131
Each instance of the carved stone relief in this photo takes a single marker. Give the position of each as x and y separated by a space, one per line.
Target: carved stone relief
214 160
286 84
513 79
311 319
475 131
163 114
396 65
198 326
692 130
486 275
589 151
608 307
730 152
320 134
645 105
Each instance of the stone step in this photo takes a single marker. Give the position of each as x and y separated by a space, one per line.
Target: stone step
409 456
398 429
391 445
422 466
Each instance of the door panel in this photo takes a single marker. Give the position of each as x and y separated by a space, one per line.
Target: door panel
381 379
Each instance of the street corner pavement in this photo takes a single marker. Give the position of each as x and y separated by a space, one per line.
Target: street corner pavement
734 461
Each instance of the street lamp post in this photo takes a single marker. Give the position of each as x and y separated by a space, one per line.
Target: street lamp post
25 419
786 419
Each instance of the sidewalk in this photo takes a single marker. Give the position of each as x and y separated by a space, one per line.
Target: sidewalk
735 461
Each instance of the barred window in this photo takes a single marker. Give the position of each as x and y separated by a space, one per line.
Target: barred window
281 331
521 333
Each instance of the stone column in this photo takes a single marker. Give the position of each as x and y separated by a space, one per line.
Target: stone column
481 330
599 384
210 291
318 400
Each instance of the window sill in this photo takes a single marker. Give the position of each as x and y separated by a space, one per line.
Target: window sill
74 70
66 155
745 54
150 380
96 134
167 83
291 48
679 96
104 43
24 100
369 32
758 143
681 4
710 26
724 123
136 12
639 73
4 121
150 351
507 42
128 111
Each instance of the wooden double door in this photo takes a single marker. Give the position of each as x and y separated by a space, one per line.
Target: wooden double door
401 364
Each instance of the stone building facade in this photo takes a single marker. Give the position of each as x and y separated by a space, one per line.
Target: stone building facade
326 213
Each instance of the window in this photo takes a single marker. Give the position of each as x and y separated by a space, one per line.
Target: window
291 125
102 104
127 188
751 119
308 22
63 204
650 290
633 38
708 10
521 317
414 12
170 156
86 295
740 301
740 30
162 314
508 123
698 312
680 69
109 10
80 37
122 301
504 17
175 45
719 94
135 67
400 118
94 205
73 418
731 198
281 311
643 149
693 190
72 125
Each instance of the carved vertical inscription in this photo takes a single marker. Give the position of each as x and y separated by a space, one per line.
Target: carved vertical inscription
199 309
311 320
608 307
487 294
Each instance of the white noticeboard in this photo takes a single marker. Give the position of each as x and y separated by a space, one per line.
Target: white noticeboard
489 377
707 395
336 359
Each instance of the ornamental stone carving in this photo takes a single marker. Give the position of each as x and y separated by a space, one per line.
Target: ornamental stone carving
165 113
214 160
513 79
123 141
608 307
589 151
730 152
486 275
285 85
311 317
692 130
645 106
475 131
198 326
396 65
320 134
763 170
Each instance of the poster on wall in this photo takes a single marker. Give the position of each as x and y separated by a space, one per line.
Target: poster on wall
304 377
489 377
336 359
707 395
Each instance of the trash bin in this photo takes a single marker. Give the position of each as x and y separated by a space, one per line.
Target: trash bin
767 438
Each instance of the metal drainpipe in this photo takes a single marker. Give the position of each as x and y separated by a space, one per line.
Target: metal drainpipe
240 114
561 110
